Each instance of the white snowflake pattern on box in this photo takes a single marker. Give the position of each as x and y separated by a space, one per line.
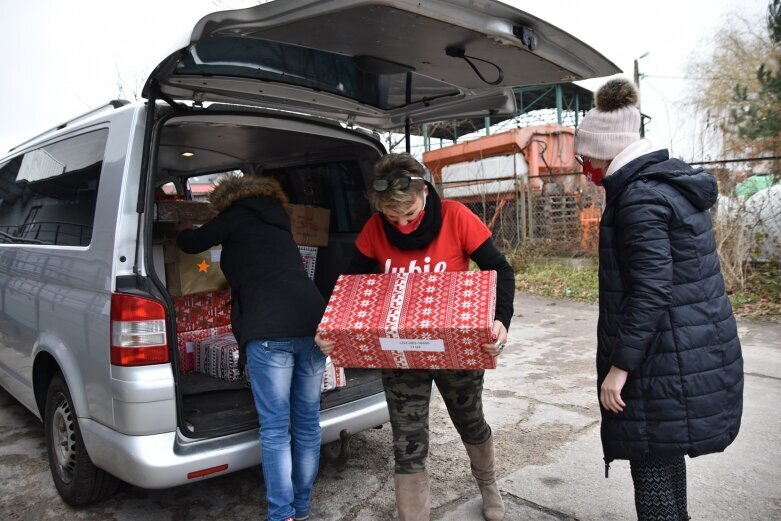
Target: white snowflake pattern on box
412 320
219 357
309 257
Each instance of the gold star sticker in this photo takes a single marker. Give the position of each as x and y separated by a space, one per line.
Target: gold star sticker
203 267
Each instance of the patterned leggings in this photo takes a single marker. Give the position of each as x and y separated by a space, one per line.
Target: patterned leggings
660 488
408 393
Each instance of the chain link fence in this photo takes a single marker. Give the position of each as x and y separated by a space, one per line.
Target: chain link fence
556 215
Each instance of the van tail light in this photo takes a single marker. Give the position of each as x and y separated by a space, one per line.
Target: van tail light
137 331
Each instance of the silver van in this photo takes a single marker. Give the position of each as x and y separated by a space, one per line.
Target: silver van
88 323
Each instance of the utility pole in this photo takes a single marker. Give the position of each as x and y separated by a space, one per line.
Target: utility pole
639 100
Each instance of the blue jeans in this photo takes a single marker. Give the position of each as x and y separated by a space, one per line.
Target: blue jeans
286 376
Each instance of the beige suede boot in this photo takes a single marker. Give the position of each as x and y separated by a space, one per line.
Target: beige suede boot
413 497
484 471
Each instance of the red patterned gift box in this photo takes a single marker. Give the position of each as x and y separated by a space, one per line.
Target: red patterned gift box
202 310
219 357
309 257
412 320
187 344
333 376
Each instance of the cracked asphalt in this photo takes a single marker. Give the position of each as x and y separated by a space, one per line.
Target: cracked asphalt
541 404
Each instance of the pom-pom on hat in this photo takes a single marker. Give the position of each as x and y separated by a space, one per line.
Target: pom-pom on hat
613 125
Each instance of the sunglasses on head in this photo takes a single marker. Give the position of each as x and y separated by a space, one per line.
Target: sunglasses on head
400 183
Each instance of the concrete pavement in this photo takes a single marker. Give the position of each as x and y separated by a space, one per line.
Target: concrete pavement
551 370
541 403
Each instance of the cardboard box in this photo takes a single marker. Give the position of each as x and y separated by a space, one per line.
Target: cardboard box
178 211
412 320
309 224
186 274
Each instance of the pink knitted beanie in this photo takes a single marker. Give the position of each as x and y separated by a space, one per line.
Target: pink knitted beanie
613 125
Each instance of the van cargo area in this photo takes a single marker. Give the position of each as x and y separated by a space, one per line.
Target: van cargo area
322 168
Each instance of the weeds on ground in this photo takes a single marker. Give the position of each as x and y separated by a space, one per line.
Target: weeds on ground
554 279
760 296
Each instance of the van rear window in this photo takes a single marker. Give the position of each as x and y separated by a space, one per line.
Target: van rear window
49 195
318 70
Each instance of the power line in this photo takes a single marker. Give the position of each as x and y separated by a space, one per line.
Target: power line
745 160
693 78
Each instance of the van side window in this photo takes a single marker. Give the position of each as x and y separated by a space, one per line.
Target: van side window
201 186
48 195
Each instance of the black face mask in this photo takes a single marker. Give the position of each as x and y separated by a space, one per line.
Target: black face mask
425 233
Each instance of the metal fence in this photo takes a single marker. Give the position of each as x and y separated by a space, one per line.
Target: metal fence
556 215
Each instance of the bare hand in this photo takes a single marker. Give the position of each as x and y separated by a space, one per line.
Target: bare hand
326 346
500 333
610 392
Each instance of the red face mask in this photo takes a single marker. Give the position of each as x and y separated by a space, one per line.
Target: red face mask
411 226
592 174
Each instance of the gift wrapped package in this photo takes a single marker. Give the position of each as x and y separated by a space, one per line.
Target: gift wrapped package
219 357
202 310
333 377
309 258
187 343
412 320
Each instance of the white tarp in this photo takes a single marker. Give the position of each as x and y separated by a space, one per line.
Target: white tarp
758 219
490 175
763 210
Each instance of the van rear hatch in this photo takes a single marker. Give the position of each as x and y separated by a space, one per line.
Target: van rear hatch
375 63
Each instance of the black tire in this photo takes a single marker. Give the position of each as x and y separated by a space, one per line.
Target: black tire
78 481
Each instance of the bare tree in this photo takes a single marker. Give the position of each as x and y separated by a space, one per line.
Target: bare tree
739 50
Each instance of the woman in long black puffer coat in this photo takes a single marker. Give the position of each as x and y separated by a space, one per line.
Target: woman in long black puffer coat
669 363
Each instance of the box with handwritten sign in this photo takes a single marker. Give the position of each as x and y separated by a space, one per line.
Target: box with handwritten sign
309 224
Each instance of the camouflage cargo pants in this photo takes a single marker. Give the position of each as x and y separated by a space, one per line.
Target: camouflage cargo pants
408 394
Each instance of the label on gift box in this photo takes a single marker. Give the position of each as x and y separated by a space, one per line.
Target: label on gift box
412 344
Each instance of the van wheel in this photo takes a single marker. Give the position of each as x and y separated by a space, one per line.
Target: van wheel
78 481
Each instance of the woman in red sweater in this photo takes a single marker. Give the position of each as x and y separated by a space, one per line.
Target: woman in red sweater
414 230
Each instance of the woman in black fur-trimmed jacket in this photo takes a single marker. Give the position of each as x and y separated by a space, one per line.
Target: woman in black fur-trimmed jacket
275 309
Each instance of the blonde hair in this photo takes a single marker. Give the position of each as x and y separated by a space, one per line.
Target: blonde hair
392 167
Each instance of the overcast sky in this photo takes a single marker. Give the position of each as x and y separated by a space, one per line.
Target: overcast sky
60 58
